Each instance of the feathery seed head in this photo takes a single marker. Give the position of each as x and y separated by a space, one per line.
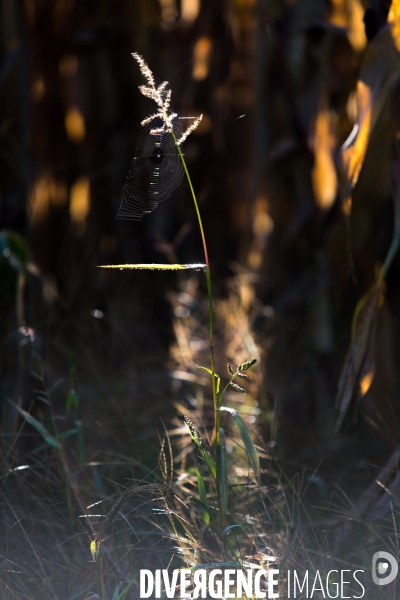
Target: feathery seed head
161 95
189 130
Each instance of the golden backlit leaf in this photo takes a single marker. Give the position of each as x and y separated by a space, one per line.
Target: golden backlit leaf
324 178
380 68
394 22
156 267
350 16
366 381
359 368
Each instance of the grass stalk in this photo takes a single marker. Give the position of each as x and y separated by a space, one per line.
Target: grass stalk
217 417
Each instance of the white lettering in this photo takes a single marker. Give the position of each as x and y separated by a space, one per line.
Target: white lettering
359 583
257 591
342 581
170 589
305 583
272 582
228 582
330 585
146 580
185 582
244 584
215 587
200 582
157 584
319 589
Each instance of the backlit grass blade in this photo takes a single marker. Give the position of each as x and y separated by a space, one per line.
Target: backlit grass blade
224 476
203 495
210 463
116 595
94 549
156 267
48 438
247 441
217 377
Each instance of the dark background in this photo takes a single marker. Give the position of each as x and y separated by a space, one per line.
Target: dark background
275 81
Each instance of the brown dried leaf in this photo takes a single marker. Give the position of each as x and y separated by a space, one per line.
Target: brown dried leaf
359 366
380 69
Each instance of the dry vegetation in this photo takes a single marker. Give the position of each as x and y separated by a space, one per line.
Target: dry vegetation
296 165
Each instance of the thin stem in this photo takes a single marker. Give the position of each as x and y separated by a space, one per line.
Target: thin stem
207 272
211 322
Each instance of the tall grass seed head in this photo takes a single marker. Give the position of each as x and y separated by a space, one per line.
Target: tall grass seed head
161 95
194 433
247 365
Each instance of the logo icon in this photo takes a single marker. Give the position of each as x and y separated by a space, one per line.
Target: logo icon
384 568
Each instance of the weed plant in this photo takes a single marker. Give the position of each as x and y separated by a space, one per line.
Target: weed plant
222 510
213 502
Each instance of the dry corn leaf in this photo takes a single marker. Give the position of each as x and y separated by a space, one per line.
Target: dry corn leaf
380 69
358 359
359 368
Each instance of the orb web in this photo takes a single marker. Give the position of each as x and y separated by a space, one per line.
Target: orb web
155 172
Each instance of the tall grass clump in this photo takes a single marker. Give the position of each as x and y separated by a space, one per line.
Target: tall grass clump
211 462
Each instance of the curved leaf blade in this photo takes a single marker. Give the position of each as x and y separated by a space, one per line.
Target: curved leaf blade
246 439
48 438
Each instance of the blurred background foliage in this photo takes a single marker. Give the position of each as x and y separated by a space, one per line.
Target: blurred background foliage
281 84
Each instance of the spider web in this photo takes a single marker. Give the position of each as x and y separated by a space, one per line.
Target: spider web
155 172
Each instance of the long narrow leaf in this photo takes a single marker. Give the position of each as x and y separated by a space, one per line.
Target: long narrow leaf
217 377
72 401
247 441
61 436
224 476
48 438
156 267
210 463
202 494
116 595
127 588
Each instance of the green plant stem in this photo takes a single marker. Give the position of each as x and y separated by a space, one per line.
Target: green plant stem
211 337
